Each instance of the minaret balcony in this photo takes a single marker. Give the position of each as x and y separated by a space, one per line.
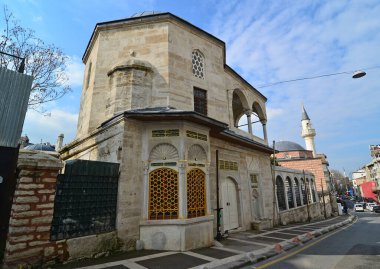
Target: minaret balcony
308 132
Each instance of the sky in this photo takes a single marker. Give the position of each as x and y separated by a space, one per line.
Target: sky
267 42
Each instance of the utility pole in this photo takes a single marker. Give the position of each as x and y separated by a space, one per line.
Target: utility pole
323 199
307 196
218 209
272 165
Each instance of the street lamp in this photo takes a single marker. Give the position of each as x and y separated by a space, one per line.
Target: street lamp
355 74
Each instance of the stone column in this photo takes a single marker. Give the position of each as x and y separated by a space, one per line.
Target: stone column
208 193
146 190
294 193
300 191
249 120
182 190
28 241
264 123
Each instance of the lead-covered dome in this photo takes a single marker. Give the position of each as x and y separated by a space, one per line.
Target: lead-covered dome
288 146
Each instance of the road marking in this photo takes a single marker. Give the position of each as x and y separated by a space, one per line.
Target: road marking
303 248
250 242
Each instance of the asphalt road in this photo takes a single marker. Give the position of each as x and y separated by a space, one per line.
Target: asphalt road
353 247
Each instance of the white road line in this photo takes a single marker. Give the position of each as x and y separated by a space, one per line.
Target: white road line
200 256
152 256
230 250
250 242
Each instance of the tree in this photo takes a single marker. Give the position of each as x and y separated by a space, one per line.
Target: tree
45 62
339 181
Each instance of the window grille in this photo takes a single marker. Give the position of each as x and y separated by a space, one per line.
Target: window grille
296 186
254 181
196 135
167 133
228 165
86 198
200 101
280 193
196 193
289 192
163 194
198 64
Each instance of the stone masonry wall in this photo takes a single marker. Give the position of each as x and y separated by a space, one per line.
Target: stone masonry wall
28 241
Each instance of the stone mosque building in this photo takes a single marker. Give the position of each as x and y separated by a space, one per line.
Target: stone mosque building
159 100
294 156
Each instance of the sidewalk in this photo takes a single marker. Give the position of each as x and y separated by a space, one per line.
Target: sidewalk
239 249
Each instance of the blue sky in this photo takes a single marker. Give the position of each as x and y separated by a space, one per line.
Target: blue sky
267 41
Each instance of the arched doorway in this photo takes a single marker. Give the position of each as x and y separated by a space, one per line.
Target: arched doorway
230 204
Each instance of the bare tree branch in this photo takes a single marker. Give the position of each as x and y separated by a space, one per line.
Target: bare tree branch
45 62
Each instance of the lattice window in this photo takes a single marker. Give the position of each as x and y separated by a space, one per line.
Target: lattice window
280 193
163 133
254 181
86 198
296 186
163 194
228 165
200 101
196 193
198 64
196 135
289 191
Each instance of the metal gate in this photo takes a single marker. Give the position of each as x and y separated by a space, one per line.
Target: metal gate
8 164
86 198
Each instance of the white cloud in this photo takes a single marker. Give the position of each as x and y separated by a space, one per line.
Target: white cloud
47 126
75 69
269 41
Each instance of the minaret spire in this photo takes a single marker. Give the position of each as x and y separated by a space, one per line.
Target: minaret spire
308 133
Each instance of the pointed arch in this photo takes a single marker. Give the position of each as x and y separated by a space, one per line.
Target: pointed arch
259 111
239 105
280 191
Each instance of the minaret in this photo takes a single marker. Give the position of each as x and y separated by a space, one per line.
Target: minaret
308 132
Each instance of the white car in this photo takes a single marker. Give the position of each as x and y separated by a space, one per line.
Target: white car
359 207
370 205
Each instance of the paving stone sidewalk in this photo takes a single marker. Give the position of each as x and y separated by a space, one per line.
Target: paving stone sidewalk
239 249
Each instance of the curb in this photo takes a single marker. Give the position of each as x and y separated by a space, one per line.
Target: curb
250 258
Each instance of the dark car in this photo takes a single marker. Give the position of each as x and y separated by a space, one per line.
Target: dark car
376 208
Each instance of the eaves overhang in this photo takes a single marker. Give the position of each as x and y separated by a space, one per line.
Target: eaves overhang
218 129
230 136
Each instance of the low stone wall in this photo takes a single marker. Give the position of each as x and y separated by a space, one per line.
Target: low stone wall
28 241
300 214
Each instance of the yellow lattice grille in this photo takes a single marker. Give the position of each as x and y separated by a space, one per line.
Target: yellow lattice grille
163 194
196 193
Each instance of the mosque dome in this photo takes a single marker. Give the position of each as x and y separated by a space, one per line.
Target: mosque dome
288 146
41 147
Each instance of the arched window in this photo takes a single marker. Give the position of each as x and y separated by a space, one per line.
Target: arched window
163 194
196 193
88 75
303 190
289 191
297 191
313 191
280 193
198 63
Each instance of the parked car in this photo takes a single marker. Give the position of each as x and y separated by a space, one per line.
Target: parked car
376 208
370 205
358 207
